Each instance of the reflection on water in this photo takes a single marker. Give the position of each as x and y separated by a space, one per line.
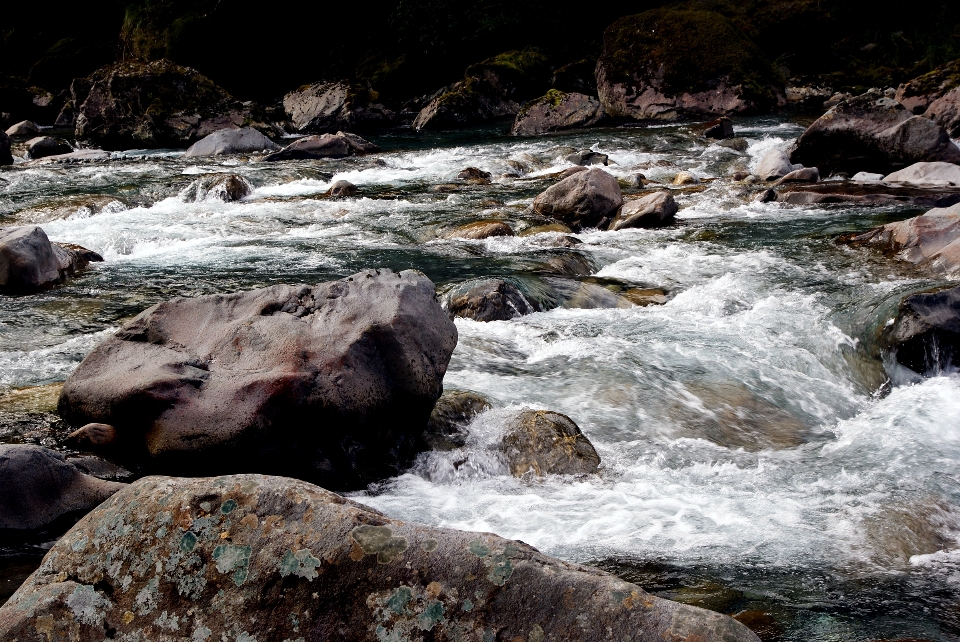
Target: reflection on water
750 463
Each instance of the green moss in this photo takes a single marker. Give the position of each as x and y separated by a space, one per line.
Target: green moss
938 81
552 98
691 47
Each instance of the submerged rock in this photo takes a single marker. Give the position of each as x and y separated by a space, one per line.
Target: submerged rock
932 239
342 188
653 210
46 146
664 62
871 133
248 557
480 230
491 300
557 111
228 188
336 145
584 199
540 442
37 486
453 412
925 336
473 174
332 383
329 106
30 262
245 140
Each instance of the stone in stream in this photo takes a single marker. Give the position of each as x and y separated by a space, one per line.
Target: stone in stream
223 187
480 230
331 383
473 174
685 178
803 175
30 262
587 157
872 133
668 61
945 111
38 486
584 199
328 106
23 128
491 300
540 443
249 557
342 188
931 240
774 164
43 146
455 409
653 210
925 336
557 111
337 145
718 129
926 175
6 158
245 140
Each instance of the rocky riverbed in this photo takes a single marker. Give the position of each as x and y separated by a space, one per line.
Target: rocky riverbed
761 453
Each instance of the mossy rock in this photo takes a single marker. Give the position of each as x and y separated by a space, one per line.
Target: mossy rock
517 74
688 50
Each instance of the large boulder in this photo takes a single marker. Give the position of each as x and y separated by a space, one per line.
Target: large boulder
872 133
330 106
653 210
6 158
925 335
665 62
490 300
931 240
540 442
248 557
927 175
43 146
584 199
245 140
556 111
337 145
38 486
154 104
30 262
333 383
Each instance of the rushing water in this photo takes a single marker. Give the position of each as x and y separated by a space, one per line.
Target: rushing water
755 458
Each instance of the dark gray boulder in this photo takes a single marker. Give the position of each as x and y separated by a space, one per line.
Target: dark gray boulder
30 262
453 412
653 210
43 146
332 383
38 486
557 111
718 129
925 335
871 133
337 145
540 442
248 557
587 157
490 300
329 106
6 158
584 199
245 140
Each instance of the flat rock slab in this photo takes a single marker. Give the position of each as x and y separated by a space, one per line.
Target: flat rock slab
866 193
248 557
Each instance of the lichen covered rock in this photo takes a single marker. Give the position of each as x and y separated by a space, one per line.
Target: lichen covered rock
556 111
247 557
333 383
540 442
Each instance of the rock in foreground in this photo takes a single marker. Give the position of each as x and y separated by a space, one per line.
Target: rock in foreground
245 140
557 111
584 199
333 383
871 133
249 558
30 262
925 336
37 486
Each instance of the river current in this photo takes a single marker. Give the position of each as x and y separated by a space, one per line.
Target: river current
758 456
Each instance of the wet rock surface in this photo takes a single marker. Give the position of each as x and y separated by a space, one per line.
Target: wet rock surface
245 140
333 382
540 442
220 187
46 146
453 412
491 300
38 486
252 557
925 336
480 230
872 133
653 210
581 200
30 262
